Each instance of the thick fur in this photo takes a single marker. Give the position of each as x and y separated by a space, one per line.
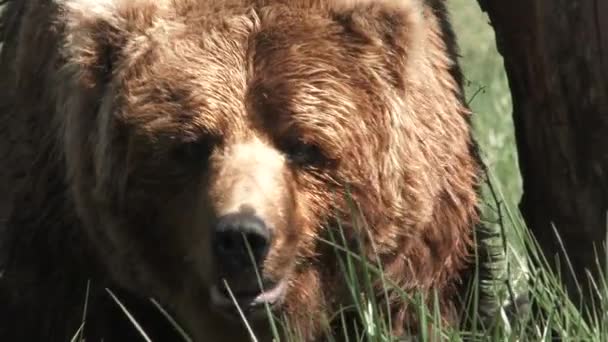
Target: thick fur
146 120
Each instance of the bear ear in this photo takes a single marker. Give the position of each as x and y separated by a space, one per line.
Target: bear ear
396 24
97 32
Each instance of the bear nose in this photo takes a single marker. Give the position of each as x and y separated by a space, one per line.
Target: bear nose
237 239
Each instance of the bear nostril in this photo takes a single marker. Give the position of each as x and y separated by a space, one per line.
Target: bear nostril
258 244
226 242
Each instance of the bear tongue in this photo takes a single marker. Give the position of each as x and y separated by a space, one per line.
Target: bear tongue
247 299
271 296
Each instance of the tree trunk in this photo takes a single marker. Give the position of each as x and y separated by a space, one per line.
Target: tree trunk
556 59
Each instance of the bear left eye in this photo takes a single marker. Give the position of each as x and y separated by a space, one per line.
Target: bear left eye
193 152
302 153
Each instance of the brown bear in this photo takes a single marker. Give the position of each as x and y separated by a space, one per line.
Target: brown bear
167 148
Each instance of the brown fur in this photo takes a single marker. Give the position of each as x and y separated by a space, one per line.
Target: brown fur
152 118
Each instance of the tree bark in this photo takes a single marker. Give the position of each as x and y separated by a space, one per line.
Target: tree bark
556 58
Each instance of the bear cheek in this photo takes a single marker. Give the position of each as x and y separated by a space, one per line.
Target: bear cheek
196 239
184 227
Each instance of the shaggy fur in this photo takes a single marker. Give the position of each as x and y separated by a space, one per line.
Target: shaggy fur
146 120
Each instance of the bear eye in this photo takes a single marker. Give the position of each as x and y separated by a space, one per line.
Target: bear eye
194 152
303 153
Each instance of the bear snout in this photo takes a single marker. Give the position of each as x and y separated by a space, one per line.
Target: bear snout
241 242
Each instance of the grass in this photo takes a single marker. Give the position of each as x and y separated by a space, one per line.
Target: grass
486 87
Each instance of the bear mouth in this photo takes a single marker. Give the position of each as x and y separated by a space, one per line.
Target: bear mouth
251 304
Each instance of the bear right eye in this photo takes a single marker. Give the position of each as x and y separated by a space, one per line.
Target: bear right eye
193 152
304 154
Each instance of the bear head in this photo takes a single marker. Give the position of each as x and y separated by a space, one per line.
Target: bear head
214 143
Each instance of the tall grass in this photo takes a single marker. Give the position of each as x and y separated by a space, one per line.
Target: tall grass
555 316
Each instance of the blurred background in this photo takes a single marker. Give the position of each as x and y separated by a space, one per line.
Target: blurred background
488 93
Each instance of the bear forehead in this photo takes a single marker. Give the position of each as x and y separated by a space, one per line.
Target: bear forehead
271 68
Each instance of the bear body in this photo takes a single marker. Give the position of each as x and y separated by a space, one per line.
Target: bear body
145 138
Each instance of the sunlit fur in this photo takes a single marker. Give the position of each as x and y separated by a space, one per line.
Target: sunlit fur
374 85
